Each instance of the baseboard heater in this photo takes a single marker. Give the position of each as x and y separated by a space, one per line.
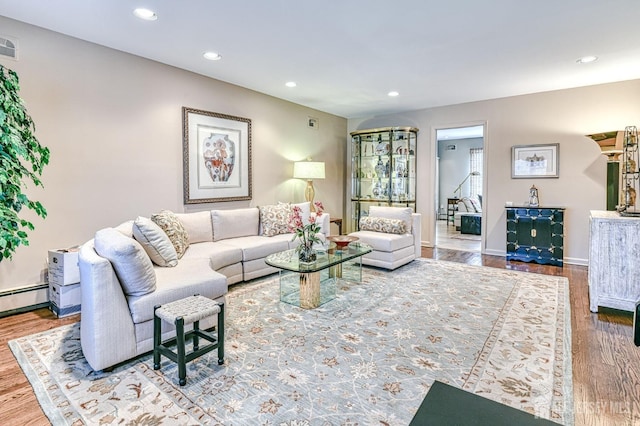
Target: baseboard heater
23 299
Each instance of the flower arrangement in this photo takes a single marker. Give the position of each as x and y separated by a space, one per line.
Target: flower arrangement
308 234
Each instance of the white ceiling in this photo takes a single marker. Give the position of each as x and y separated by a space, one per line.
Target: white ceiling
346 55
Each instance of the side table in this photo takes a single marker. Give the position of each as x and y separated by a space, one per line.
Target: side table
337 221
452 208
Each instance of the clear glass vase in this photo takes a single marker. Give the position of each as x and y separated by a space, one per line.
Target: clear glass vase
307 254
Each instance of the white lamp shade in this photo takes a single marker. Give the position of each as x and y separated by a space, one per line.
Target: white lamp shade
308 170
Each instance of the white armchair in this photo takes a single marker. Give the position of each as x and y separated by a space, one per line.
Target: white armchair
394 233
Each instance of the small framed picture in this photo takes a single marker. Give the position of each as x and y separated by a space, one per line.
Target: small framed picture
535 161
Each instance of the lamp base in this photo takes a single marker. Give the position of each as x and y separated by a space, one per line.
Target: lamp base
309 193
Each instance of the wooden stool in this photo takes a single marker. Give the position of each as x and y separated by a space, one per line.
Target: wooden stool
186 311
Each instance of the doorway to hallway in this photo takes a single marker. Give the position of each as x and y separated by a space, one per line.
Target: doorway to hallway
459 187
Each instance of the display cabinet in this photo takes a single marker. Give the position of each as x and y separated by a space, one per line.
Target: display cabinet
383 169
535 234
630 182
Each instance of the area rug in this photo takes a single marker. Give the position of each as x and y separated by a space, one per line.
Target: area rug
367 357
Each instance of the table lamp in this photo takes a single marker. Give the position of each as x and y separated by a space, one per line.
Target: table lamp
309 170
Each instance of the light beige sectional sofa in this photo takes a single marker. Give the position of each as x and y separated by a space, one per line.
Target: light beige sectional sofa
125 271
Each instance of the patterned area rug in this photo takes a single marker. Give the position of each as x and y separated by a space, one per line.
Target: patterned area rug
367 357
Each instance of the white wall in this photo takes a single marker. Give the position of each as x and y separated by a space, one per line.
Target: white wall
113 123
563 117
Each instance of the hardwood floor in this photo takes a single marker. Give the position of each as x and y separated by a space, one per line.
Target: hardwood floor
606 363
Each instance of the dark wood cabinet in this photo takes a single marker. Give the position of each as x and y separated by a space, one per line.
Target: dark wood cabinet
535 234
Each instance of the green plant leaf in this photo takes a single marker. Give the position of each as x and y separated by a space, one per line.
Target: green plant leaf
22 159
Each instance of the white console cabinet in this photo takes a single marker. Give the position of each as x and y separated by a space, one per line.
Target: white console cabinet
614 261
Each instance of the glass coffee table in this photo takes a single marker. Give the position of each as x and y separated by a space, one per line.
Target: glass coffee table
309 285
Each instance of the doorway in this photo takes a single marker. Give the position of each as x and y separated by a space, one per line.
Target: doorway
459 187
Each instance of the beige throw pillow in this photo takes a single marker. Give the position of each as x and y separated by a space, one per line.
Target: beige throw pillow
155 242
171 225
381 224
129 260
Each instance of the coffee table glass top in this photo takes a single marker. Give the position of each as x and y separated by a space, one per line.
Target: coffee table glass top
288 259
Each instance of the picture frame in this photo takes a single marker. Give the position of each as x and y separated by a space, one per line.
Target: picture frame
535 161
216 154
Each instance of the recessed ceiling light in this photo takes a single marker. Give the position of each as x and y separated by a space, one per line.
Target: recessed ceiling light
587 59
212 56
290 84
393 93
146 14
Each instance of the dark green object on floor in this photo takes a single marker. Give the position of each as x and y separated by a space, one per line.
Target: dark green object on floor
470 224
449 406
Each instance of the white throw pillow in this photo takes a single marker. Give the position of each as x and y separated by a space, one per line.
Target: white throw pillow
155 242
403 213
132 265
235 223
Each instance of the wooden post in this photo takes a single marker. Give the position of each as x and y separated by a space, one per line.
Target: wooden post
310 290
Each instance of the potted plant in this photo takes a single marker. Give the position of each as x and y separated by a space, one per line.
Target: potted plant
22 159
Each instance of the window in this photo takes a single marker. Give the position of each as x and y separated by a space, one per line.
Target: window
475 158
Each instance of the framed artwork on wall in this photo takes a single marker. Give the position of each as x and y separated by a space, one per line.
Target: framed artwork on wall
216 157
535 161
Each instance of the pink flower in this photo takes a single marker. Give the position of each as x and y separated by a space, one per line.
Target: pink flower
306 233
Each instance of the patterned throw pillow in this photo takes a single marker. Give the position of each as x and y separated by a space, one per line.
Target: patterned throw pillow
381 224
275 219
171 225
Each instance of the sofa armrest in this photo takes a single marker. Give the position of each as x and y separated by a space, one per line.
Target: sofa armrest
416 230
105 316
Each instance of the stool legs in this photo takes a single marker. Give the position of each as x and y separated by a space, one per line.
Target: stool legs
157 339
221 335
182 367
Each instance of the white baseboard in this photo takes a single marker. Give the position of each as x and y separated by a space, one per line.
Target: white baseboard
16 299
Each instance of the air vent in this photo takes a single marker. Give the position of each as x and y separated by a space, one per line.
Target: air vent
8 47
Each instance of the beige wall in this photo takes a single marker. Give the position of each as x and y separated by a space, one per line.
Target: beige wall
113 122
562 117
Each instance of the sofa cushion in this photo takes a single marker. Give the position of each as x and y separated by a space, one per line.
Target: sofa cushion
274 219
403 213
130 262
171 225
257 247
219 254
381 224
197 225
191 276
155 242
235 223
384 242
